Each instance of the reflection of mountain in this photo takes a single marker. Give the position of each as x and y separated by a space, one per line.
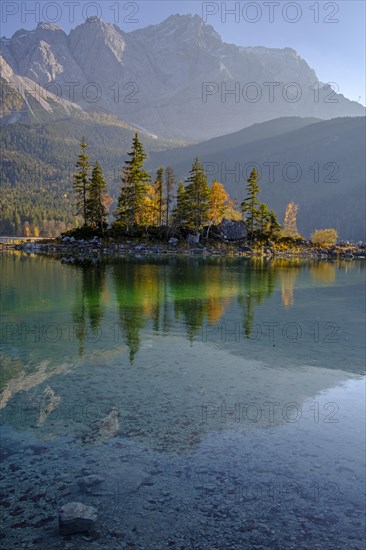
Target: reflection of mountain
178 395
25 381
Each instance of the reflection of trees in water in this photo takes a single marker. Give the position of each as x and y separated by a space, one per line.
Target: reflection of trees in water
138 297
164 290
258 280
288 272
201 290
88 303
323 272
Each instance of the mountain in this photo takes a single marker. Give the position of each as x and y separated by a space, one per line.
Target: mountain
318 164
22 99
170 78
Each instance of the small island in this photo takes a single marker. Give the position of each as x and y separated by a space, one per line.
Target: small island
198 219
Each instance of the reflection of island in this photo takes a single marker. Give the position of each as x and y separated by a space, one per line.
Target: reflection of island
160 403
163 292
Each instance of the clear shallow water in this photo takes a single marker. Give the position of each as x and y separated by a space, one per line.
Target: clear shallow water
221 400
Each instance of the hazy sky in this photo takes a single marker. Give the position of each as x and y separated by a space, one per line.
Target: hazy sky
330 36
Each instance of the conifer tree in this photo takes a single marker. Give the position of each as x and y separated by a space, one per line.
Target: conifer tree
250 204
131 200
95 203
159 195
180 210
169 189
81 182
125 207
197 197
268 226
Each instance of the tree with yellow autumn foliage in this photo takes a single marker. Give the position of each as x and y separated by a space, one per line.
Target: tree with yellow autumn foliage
324 237
219 200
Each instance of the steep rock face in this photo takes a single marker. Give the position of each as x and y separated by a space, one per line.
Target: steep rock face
98 48
174 78
22 99
43 54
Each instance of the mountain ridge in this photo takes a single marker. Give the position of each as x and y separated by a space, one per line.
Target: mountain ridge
173 78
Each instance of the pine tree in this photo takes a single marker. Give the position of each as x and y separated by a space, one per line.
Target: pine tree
250 204
180 210
131 200
159 195
81 182
169 189
95 203
267 224
197 197
17 222
125 211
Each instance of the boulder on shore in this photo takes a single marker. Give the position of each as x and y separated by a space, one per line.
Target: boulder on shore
231 230
193 238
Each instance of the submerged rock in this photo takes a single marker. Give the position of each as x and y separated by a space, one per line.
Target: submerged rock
89 481
75 517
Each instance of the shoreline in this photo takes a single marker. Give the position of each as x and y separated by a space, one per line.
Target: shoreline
70 249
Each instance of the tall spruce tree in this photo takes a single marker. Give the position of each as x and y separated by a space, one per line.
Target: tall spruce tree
250 205
197 196
159 194
180 209
81 182
131 200
169 190
95 206
267 224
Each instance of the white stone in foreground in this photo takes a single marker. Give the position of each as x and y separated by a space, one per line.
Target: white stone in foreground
75 517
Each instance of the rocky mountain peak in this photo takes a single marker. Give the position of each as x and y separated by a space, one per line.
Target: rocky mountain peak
88 39
182 29
48 27
173 78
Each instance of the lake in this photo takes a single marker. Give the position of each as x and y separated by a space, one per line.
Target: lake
221 402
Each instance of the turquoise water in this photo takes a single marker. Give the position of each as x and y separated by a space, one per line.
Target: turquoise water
221 400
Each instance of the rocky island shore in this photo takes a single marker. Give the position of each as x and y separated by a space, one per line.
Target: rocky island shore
71 250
